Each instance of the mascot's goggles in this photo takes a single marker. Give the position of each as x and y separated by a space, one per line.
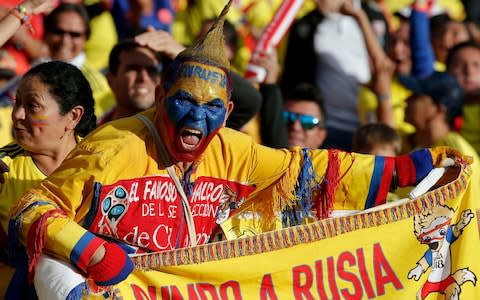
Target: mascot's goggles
437 233
307 121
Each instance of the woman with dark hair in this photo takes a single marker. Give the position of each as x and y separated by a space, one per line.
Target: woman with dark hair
53 110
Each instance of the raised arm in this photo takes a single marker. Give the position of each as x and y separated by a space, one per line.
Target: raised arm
160 41
12 21
382 66
423 57
327 180
273 127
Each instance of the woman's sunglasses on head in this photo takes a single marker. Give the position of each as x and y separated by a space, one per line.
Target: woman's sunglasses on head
307 121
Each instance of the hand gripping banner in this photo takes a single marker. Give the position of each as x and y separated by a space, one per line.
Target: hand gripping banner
410 249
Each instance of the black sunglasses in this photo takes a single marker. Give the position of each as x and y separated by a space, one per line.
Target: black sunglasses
307 121
72 34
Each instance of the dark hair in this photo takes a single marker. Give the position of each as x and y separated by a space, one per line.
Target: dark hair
438 24
306 92
69 88
230 34
50 20
369 135
455 49
444 89
125 46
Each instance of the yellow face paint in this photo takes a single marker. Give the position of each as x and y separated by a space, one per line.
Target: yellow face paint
40 120
204 82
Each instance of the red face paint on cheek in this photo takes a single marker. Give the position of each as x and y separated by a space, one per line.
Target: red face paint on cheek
39 121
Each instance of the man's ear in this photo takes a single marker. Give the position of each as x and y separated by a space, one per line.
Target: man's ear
229 110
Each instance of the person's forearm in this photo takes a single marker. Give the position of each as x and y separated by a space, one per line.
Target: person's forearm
423 58
9 24
273 128
34 48
385 111
374 49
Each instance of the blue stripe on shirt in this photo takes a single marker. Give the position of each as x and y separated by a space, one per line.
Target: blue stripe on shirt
375 181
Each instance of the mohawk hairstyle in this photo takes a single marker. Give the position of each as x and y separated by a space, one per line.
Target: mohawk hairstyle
207 50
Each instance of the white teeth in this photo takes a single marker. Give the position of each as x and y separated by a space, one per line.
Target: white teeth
142 90
193 131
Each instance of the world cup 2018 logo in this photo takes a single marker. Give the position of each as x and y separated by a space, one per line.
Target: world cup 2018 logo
433 228
114 206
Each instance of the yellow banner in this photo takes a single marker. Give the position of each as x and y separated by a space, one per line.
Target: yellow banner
424 248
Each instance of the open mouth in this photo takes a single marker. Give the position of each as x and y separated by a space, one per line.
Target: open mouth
433 246
190 139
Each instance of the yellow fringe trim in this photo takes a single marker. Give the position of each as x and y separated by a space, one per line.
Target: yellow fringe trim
281 192
320 230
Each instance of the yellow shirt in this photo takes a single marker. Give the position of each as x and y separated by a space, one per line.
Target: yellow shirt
471 125
23 175
101 41
102 94
453 7
5 125
368 107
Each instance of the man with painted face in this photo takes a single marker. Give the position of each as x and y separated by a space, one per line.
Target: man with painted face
170 185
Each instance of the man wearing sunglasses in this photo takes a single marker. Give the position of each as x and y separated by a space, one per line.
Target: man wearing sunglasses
67 30
305 117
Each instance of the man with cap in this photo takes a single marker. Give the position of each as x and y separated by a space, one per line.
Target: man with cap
167 178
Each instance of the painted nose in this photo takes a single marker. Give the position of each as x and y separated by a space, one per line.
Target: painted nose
197 113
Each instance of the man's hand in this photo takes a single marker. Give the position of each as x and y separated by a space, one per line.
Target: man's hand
109 265
3 169
160 41
39 6
269 61
446 157
330 6
348 9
